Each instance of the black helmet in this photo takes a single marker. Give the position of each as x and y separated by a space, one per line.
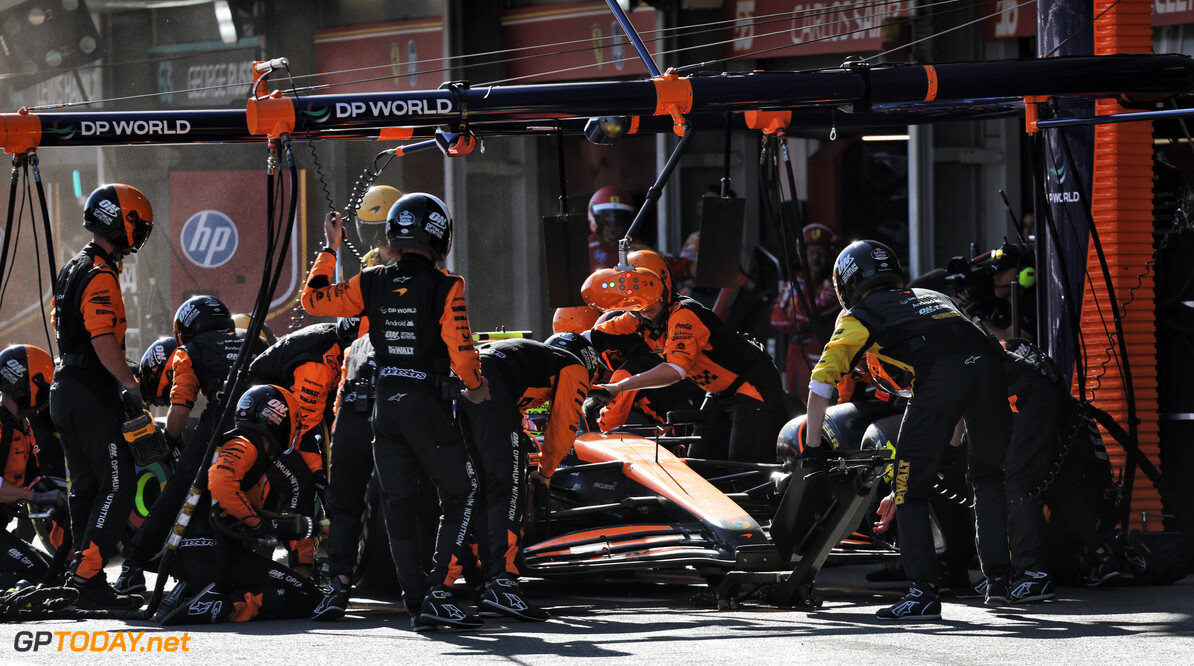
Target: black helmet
422 222
26 373
198 314
862 266
121 215
348 329
272 411
579 347
156 372
372 213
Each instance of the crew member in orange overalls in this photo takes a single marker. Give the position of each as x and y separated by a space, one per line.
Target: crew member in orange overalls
744 394
217 556
95 389
25 375
418 324
307 363
522 374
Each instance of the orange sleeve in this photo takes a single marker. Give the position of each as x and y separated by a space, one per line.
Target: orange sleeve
102 305
340 384
623 324
223 479
686 337
616 412
572 386
456 334
185 389
322 298
313 383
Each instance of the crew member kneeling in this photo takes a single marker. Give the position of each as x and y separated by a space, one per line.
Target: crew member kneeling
217 556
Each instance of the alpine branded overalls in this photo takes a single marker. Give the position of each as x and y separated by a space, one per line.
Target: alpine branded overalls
744 391
959 373
86 407
418 325
523 374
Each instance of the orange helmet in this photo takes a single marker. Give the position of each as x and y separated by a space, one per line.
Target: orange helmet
657 265
576 319
120 214
26 372
633 290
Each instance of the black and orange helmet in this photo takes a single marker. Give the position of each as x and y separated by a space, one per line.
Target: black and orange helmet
120 214
26 372
272 411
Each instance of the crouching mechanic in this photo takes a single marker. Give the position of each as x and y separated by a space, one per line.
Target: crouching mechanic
744 400
217 555
958 373
307 363
26 372
418 324
205 347
522 374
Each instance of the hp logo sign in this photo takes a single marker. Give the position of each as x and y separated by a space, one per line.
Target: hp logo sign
209 239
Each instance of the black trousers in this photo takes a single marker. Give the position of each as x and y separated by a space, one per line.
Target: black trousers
19 561
261 588
413 431
1035 427
85 405
970 386
350 466
495 427
738 428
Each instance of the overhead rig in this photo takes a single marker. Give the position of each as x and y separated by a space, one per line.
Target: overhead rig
885 95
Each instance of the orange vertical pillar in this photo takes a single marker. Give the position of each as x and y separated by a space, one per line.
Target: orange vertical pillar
1122 196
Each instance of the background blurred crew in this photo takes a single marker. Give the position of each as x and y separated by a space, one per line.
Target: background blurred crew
791 314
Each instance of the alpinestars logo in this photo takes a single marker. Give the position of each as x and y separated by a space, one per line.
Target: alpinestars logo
904 608
205 608
1022 590
513 602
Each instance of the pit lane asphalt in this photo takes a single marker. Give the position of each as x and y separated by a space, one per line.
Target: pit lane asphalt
656 624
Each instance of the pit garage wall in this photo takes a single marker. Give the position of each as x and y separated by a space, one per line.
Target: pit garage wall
1122 197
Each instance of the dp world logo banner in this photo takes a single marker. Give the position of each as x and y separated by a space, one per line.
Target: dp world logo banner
209 238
